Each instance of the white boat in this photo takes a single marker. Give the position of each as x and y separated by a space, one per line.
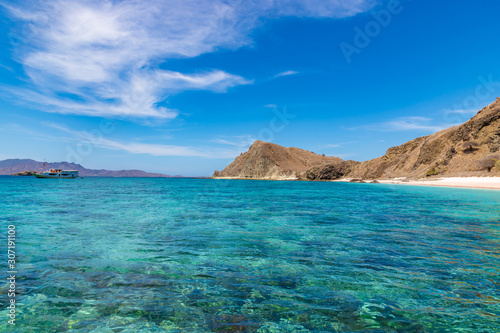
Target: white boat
57 173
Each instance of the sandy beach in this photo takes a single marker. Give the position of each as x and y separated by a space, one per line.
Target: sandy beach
468 182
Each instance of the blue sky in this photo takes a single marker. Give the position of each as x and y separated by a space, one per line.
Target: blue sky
183 87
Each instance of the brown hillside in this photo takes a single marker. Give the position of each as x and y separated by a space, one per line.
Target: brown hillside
456 151
442 153
270 161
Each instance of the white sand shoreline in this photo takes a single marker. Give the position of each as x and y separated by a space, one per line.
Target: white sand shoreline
464 182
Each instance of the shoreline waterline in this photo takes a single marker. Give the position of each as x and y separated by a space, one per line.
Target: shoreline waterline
490 183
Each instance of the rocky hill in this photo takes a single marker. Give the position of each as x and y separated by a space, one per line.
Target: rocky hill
472 148
13 166
266 160
456 151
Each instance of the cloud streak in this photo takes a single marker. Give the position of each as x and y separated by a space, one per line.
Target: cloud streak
412 123
143 148
335 145
406 124
101 58
286 73
240 141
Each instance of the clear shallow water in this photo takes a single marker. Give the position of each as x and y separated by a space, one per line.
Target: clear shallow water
174 255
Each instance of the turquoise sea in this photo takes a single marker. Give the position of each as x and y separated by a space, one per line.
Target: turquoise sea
201 255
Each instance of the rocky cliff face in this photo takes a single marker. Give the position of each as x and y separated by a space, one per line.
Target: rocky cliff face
266 160
456 151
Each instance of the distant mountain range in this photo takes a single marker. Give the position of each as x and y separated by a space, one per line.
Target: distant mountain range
12 166
470 149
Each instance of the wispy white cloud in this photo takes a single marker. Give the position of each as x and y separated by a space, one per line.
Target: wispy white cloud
217 81
322 8
99 58
37 135
407 124
143 148
137 97
458 116
286 73
413 123
470 112
152 149
240 141
6 68
335 145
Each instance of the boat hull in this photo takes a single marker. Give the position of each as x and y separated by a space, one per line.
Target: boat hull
55 177
58 174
